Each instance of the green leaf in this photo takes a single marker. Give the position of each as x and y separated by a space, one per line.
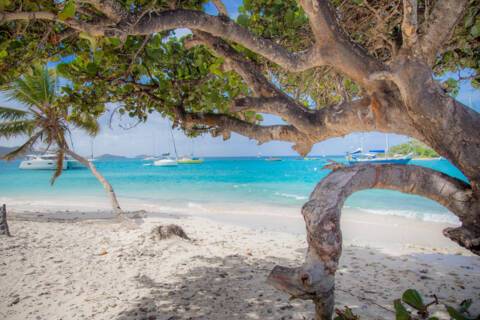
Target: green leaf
465 305
413 299
454 314
243 20
3 54
68 10
475 31
4 4
400 312
92 69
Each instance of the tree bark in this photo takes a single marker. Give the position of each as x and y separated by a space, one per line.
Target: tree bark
106 185
315 279
4 230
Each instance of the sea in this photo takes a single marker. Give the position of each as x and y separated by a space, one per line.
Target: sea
221 185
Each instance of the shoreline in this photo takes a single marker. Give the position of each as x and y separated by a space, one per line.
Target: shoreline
358 227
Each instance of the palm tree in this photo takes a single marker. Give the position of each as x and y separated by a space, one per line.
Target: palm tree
48 121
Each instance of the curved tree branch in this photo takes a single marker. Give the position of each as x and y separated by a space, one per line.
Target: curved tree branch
225 124
221 26
315 279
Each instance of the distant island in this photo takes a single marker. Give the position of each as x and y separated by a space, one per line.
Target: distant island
110 156
419 149
5 150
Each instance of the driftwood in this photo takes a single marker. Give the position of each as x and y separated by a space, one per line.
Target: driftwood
168 231
3 221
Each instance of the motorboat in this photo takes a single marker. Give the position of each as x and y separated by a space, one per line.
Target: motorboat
189 160
41 162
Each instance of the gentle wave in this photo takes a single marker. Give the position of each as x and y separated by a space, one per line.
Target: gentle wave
424 216
293 196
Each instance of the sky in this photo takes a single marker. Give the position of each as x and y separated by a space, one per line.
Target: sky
154 136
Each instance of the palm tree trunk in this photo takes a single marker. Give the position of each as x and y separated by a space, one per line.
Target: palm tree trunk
106 185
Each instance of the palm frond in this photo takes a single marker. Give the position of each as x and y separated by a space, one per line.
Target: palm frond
59 169
34 89
24 148
12 114
85 122
11 129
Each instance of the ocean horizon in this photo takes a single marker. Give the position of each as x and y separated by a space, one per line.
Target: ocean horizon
220 184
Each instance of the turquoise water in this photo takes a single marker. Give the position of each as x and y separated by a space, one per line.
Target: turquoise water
235 182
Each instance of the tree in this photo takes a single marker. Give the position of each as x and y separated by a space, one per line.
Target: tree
327 68
47 120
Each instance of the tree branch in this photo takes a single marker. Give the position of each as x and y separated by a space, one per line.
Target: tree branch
95 29
221 26
226 124
220 7
409 23
110 8
336 48
444 17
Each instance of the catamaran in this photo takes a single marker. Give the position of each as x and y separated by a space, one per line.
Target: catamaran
48 162
166 161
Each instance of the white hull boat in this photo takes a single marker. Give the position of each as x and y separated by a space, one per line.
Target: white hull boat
165 163
41 162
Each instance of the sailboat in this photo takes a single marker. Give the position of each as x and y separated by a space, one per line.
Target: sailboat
372 156
167 160
189 160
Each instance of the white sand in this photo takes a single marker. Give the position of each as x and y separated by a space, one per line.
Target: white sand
98 269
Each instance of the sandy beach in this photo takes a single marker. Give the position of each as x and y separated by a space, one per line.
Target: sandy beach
69 265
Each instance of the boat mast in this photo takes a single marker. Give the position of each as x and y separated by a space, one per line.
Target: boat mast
386 144
174 146
91 148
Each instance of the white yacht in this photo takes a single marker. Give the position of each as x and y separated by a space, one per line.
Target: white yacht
41 162
48 162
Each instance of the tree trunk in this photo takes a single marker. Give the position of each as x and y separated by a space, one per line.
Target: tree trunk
106 185
3 222
315 279
449 127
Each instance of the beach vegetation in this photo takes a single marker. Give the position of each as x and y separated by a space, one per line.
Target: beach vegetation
326 68
411 306
47 119
419 149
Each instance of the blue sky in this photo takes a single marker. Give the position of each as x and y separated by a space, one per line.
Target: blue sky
153 137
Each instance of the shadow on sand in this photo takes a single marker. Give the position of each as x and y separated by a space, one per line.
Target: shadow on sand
233 287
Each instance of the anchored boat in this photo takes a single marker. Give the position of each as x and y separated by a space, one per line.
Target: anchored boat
48 162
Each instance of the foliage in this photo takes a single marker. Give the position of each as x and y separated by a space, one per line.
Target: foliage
412 307
103 70
419 149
